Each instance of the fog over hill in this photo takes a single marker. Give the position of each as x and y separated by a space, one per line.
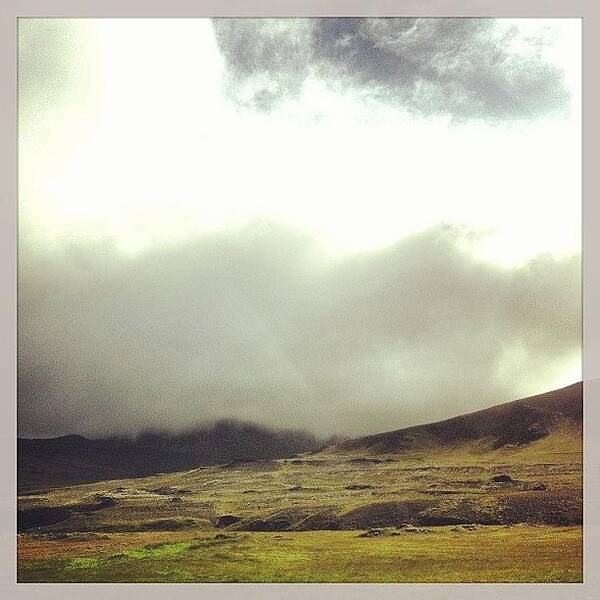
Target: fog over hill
339 225
259 325
73 459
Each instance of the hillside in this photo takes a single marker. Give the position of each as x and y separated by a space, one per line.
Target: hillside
533 445
512 425
507 479
74 459
552 420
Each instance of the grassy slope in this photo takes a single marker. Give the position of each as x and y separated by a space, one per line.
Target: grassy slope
425 482
315 486
521 553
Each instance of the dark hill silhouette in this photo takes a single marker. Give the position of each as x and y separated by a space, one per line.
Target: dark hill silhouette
74 459
514 423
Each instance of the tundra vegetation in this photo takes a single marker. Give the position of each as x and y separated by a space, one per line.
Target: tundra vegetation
494 496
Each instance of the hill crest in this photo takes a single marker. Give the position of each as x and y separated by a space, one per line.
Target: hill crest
514 423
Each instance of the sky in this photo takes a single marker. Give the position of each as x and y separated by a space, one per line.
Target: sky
345 225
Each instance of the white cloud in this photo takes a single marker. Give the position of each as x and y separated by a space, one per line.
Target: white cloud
164 157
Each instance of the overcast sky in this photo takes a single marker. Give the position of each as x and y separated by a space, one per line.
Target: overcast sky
348 225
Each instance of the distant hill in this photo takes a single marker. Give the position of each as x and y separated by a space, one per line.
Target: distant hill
515 463
74 459
548 424
513 424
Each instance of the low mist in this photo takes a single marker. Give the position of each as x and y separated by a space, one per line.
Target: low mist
259 325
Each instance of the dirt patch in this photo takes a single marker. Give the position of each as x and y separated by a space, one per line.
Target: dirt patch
42 516
542 507
296 519
383 514
464 512
502 479
39 517
325 519
270 524
226 520
154 525
281 521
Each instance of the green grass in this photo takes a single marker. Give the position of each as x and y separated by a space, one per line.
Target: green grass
82 563
144 536
159 551
489 554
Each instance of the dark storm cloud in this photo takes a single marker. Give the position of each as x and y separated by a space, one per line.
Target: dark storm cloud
254 325
267 59
464 68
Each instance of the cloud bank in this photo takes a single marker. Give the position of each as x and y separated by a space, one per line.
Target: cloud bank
258 325
465 68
